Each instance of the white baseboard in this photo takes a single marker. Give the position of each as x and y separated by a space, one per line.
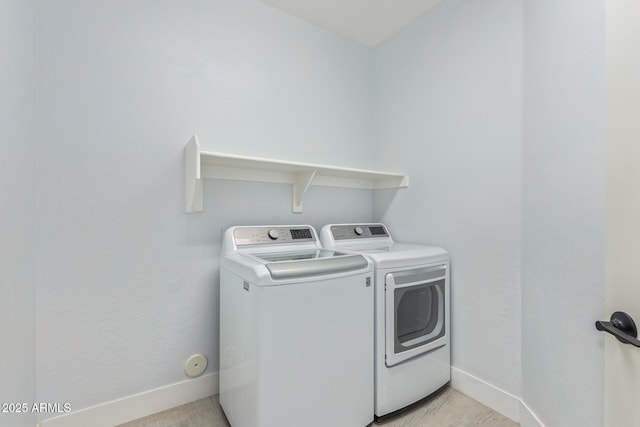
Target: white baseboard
150 402
495 398
528 418
139 405
489 395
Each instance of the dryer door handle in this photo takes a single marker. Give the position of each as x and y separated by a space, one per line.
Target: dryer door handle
622 327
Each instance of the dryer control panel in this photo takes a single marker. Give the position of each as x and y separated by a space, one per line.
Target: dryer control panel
358 231
273 235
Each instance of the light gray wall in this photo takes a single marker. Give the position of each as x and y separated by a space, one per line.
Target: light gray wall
18 145
563 211
128 284
448 96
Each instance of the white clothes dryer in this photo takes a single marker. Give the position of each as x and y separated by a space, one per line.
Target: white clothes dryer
296 336
412 341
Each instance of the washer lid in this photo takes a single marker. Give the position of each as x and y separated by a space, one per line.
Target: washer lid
296 255
304 264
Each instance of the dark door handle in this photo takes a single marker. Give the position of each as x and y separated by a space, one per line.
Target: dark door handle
622 327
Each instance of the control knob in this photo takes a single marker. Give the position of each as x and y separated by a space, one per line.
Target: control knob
358 230
273 234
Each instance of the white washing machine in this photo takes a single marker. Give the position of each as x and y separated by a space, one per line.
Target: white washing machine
296 336
412 355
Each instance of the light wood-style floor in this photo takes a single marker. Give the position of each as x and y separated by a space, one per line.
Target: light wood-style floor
448 408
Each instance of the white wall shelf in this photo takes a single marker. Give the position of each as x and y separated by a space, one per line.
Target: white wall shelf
205 164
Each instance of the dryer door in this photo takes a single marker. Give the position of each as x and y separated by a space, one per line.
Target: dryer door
415 312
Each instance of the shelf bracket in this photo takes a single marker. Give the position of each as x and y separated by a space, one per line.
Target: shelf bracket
193 178
301 183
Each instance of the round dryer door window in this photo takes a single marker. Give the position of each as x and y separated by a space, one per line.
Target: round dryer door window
415 312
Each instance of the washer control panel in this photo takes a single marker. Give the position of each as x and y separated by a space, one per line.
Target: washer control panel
273 235
359 231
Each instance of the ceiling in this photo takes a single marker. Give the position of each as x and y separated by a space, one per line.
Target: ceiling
366 21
